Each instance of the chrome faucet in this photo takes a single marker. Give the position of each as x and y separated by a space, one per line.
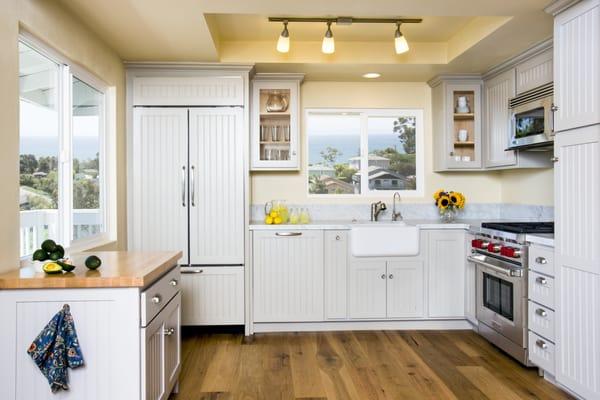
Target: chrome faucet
377 208
396 216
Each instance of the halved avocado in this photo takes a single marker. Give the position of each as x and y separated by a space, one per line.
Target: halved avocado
52 268
66 265
93 262
49 245
40 255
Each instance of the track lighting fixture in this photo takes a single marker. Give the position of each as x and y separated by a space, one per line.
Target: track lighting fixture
328 46
400 43
283 43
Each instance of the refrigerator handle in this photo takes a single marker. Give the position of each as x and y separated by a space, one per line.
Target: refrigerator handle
193 185
183 186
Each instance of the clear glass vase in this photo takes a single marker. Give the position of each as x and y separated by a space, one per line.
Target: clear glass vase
447 216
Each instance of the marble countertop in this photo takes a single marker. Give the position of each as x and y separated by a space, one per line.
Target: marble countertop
347 225
119 269
543 239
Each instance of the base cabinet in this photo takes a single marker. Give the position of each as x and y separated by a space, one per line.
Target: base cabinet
405 290
367 289
335 274
213 295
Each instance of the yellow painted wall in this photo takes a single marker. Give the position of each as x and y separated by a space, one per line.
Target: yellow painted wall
291 186
48 21
528 187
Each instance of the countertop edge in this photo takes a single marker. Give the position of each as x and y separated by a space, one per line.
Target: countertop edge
334 225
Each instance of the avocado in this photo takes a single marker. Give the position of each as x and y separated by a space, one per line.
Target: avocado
40 255
93 262
49 245
52 268
66 265
55 255
60 250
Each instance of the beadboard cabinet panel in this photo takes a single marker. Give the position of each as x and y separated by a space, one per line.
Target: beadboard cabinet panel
536 71
405 289
188 91
216 168
159 178
212 295
335 267
498 91
447 274
576 66
288 276
367 289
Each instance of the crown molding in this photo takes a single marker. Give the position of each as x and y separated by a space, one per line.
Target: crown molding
278 76
188 66
438 79
559 6
531 52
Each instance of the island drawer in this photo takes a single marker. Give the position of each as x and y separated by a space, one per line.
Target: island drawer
541 352
158 295
541 259
541 320
541 289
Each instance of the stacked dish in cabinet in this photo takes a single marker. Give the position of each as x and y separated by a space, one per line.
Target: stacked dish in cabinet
541 304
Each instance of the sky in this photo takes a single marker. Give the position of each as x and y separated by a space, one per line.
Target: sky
41 121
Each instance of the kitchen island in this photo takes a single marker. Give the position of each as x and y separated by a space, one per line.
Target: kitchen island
127 318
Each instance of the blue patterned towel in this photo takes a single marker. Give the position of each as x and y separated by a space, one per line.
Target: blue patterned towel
56 349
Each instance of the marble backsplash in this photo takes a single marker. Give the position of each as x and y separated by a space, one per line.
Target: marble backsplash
418 211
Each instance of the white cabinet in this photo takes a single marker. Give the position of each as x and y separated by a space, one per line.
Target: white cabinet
213 295
470 285
275 143
576 66
405 289
216 185
288 275
161 358
159 174
534 72
367 289
446 274
457 130
577 259
498 92
335 273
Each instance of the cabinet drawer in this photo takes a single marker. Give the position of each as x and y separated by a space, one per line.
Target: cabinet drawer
541 259
158 295
541 289
541 320
541 352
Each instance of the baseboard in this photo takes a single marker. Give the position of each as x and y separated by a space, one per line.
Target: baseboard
459 324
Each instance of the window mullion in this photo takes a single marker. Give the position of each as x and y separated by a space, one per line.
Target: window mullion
364 154
65 187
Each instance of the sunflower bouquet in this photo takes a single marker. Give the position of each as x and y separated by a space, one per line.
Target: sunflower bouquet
449 203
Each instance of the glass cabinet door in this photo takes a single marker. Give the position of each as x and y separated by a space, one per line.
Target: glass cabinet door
464 126
275 125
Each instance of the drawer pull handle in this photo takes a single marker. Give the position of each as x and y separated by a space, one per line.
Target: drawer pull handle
192 271
541 280
541 260
288 234
541 312
173 282
541 344
156 299
169 332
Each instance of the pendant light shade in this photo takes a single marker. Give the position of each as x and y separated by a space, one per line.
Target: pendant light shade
328 46
400 43
283 43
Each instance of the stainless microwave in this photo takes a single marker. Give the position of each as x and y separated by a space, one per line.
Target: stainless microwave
532 119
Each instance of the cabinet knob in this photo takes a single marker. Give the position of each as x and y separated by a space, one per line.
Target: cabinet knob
173 282
541 312
554 108
383 276
541 344
541 281
338 237
554 159
156 299
391 276
169 332
541 260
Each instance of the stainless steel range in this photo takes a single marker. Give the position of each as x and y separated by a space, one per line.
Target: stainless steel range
500 252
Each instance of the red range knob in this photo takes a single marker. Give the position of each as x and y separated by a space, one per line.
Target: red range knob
477 243
510 252
494 248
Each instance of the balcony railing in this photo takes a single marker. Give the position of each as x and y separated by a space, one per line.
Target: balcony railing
38 225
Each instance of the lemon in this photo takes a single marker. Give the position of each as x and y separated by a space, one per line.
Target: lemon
277 220
268 220
274 214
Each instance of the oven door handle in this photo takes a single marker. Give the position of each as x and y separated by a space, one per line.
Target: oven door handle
504 271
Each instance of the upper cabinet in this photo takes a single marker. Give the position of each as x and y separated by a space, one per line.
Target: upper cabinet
275 120
534 72
576 66
457 122
498 91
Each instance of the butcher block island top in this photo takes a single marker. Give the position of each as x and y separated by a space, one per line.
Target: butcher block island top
119 269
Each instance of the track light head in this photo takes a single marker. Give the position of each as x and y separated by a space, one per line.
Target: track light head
400 43
283 43
328 46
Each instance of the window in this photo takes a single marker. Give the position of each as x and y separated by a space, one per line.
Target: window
62 141
364 152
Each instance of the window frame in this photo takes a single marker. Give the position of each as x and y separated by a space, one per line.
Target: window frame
68 70
365 114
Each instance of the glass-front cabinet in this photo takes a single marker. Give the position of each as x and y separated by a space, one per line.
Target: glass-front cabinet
275 121
457 123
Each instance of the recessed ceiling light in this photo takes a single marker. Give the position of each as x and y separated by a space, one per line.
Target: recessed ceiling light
371 75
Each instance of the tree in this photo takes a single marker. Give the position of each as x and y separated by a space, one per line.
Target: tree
316 186
47 164
406 129
85 194
28 164
344 173
330 155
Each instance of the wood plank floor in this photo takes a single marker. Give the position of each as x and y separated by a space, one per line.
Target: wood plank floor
354 365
